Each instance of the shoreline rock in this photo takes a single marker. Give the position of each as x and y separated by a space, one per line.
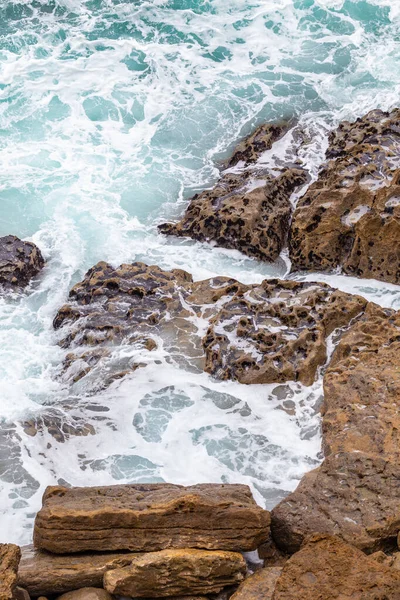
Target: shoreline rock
10 556
19 262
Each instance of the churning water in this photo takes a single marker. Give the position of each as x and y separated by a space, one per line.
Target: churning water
112 114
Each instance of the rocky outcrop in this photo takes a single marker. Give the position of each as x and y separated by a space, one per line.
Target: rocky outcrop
249 212
19 262
9 559
259 586
354 493
327 568
46 574
350 217
176 573
273 332
150 517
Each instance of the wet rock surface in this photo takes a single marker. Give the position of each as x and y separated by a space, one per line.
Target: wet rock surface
327 568
19 262
9 559
273 332
177 573
150 517
350 217
249 212
250 149
42 573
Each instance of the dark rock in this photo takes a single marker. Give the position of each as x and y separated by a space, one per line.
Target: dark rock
19 262
253 146
350 217
9 559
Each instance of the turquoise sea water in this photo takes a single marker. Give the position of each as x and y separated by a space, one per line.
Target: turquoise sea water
112 114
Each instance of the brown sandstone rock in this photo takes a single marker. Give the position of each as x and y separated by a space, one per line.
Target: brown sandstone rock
327 568
259 586
87 593
262 139
42 573
352 495
249 212
19 262
9 558
350 217
150 517
176 573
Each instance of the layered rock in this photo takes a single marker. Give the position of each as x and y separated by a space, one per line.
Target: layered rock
176 573
44 574
9 559
150 517
327 568
19 262
354 493
350 217
249 212
272 332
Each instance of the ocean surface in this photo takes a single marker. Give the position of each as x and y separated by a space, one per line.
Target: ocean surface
112 114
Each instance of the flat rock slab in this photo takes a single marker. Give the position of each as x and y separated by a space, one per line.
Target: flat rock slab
259 586
19 262
43 573
9 559
327 568
150 517
176 573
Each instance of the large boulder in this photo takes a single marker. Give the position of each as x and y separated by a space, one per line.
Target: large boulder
246 211
19 262
327 568
150 517
9 559
176 573
350 217
45 574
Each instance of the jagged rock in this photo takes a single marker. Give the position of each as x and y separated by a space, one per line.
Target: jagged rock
350 217
327 568
87 593
272 332
9 559
250 149
259 586
150 517
43 573
176 573
249 212
57 425
352 495
19 262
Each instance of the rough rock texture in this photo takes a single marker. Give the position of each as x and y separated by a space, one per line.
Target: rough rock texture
350 217
259 586
9 558
88 593
250 149
326 568
43 573
176 573
19 262
150 517
271 554
272 332
249 212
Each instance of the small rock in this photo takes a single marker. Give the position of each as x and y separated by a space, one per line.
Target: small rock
21 594
19 262
87 593
177 573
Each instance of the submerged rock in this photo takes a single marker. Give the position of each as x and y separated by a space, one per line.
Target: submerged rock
19 262
150 517
176 573
350 217
9 559
45 574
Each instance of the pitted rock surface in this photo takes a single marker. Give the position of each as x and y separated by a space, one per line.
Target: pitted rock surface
350 217
10 555
272 332
150 517
19 262
45 574
250 149
326 568
177 573
249 212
